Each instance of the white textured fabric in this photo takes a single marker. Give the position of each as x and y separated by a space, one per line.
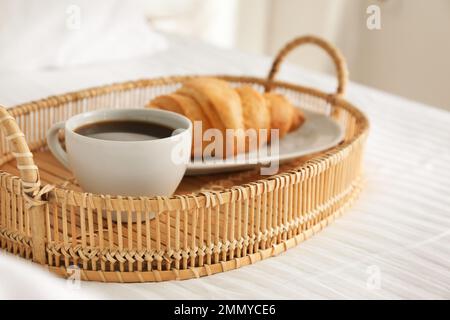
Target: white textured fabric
21 279
394 242
37 34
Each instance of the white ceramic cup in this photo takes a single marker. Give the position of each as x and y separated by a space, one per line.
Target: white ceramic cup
131 168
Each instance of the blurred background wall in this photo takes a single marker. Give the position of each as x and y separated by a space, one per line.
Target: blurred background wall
408 55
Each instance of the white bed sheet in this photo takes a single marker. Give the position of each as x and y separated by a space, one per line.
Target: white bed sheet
394 242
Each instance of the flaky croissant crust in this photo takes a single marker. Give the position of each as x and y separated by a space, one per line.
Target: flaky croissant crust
218 105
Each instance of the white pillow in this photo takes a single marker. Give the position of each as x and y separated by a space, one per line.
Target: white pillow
57 33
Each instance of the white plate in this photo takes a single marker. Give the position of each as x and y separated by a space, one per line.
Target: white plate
318 133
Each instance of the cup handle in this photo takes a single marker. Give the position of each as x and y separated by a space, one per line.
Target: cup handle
54 145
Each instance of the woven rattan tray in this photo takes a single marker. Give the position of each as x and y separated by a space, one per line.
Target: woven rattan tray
212 224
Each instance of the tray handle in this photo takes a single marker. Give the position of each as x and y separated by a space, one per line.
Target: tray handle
34 194
29 172
335 54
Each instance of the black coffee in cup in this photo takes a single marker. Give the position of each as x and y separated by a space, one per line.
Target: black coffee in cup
125 130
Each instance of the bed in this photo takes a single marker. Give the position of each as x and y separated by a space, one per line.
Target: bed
392 244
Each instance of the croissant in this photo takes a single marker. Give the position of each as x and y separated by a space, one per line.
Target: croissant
219 106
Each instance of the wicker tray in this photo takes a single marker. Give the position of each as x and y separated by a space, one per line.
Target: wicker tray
213 224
